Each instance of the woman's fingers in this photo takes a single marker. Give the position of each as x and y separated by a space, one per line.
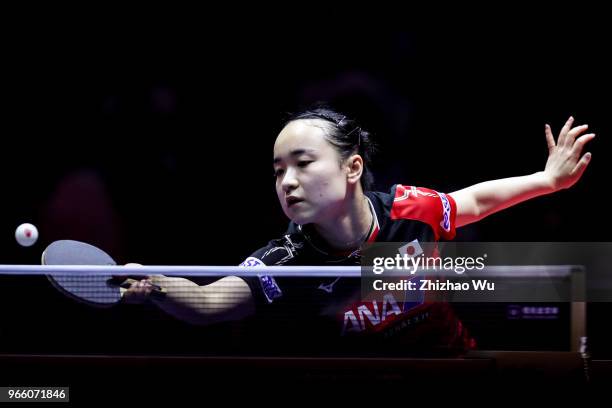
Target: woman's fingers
580 143
564 131
573 133
581 166
550 139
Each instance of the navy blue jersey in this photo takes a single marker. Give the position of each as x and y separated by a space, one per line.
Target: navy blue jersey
330 309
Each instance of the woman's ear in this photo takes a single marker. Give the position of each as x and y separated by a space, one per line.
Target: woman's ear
355 168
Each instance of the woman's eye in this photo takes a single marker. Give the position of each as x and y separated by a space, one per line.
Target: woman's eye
304 163
278 173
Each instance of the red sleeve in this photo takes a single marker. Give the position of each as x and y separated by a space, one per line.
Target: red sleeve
439 210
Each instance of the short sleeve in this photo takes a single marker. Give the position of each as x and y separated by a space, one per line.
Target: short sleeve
437 209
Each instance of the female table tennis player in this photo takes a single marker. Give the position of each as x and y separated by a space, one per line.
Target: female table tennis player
323 180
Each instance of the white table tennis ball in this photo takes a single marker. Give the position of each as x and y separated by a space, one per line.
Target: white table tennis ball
26 234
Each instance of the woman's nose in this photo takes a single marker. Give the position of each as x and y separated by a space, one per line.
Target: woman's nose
290 181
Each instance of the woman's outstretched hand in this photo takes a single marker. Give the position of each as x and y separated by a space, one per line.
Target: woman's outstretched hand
566 163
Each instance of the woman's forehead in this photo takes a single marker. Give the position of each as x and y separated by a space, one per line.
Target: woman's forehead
301 134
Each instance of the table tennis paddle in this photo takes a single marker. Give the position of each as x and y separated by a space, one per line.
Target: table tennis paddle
94 290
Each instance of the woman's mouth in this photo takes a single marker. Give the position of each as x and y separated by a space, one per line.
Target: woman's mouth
291 201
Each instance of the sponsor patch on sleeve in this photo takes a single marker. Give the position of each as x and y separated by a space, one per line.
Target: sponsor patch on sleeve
446 212
252 262
269 286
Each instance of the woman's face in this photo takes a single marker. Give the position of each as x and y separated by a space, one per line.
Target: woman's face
310 183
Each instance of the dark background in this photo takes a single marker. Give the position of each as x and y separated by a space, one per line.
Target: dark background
157 147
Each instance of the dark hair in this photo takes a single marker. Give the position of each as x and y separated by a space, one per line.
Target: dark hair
346 136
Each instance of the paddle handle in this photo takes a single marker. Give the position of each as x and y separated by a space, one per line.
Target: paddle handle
157 293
